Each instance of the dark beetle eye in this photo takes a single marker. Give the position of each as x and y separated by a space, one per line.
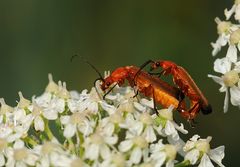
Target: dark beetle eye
108 83
157 64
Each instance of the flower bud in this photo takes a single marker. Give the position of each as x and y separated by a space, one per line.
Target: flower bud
20 154
52 87
171 151
237 2
230 78
222 26
166 113
235 37
140 142
23 103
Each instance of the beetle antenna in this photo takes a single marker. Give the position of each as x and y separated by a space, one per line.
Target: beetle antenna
109 91
141 67
93 67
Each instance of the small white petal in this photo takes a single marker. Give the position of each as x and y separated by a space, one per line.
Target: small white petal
109 129
126 145
180 128
217 46
86 128
235 95
92 152
170 164
228 13
2 160
217 79
147 102
222 65
139 107
65 119
60 105
205 161
50 114
43 100
238 46
19 114
223 88
237 13
171 131
217 155
105 152
192 156
226 101
69 130
111 97
136 128
39 123
18 144
232 53
136 155
224 38
93 106
179 144
149 134
31 159
74 95
159 157
5 131
109 108
13 137
111 140
72 105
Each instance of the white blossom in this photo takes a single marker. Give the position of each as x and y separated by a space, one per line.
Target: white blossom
199 149
229 80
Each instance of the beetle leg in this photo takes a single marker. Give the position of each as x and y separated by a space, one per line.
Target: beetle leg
154 102
181 105
104 96
149 91
192 123
136 93
159 74
191 113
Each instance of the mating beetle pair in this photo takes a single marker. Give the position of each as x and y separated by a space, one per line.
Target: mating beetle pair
162 92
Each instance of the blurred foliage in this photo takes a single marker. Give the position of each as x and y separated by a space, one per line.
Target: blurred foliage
38 37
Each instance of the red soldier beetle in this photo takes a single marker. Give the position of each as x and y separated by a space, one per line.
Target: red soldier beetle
185 82
151 86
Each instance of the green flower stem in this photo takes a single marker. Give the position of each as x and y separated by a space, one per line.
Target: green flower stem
71 145
81 140
160 121
183 164
30 141
48 130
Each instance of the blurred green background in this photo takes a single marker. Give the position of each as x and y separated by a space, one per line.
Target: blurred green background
38 37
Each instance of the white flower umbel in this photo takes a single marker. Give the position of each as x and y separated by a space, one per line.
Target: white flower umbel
228 80
224 29
166 126
62 128
228 66
199 150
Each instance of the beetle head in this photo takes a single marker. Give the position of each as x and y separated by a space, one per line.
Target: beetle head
106 83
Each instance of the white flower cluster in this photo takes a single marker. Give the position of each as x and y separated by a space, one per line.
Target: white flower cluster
62 128
228 66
